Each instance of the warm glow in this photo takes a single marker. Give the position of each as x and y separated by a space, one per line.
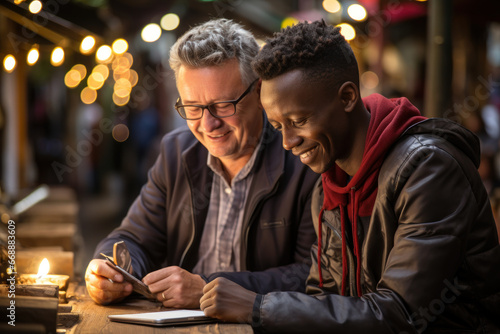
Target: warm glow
119 46
43 269
134 78
33 56
72 78
357 12
81 69
170 21
369 80
95 80
151 33
122 87
347 31
120 132
120 101
35 7
103 70
88 95
9 63
104 54
87 45
288 22
57 56
332 6
121 64
117 75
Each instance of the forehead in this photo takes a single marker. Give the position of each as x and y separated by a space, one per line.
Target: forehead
289 93
207 84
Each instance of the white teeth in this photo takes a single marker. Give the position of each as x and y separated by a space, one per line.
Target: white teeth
307 154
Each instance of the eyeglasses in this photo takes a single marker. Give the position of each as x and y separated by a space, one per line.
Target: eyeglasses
217 109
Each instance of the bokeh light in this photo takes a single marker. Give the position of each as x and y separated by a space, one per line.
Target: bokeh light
347 31
95 81
104 54
119 46
331 6
103 70
120 132
57 56
35 7
87 45
357 12
72 79
170 21
9 63
33 56
288 22
120 101
151 33
369 80
81 69
88 95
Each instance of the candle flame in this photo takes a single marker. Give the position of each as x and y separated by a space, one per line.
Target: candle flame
43 269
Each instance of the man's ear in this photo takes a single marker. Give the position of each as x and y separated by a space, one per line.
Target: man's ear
349 95
257 89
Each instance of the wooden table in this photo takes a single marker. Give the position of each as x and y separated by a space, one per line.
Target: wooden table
93 318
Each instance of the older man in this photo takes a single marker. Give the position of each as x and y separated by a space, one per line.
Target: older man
223 198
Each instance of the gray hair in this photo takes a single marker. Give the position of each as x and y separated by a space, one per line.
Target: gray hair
212 44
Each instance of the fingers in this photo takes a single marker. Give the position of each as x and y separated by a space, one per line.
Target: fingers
100 268
100 288
175 287
160 274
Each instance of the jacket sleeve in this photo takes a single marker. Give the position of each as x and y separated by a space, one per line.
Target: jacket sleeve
291 277
143 228
434 204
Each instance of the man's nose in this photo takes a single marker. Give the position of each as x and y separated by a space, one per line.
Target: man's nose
208 123
290 139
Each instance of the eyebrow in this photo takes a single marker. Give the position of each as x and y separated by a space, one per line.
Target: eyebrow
214 101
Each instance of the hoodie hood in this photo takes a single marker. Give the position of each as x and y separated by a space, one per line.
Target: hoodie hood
460 137
389 119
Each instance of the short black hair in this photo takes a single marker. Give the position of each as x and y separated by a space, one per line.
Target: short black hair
317 48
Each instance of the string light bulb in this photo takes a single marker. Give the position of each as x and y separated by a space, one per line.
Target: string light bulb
119 46
104 54
33 56
35 7
151 33
9 63
87 45
57 56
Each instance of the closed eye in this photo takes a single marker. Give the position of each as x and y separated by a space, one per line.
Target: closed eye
299 123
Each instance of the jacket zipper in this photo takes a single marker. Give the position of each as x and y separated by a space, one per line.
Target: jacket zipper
247 229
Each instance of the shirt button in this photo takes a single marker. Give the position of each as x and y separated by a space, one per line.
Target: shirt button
228 191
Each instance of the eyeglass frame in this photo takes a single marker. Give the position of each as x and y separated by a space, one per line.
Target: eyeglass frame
207 106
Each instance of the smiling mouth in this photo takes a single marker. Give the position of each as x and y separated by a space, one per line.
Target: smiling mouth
217 136
307 154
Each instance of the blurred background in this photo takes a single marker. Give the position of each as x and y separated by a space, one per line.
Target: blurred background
87 93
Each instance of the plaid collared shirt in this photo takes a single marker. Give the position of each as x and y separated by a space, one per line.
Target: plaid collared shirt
221 240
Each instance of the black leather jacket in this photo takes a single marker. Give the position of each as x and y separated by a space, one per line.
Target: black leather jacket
164 225
430 253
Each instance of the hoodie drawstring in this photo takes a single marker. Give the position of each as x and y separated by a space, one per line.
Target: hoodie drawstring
344 249
319 248
357 253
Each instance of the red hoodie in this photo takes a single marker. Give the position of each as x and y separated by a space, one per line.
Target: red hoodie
389 119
